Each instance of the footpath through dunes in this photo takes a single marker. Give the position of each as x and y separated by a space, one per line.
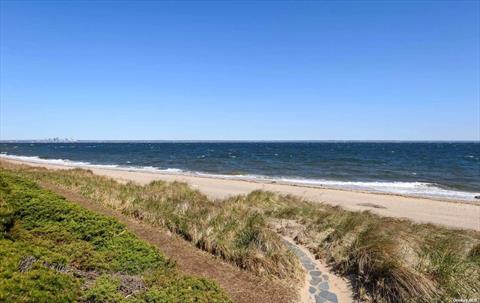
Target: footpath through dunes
241 286
321 285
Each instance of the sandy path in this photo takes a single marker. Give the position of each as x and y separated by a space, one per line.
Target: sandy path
241 286
456 214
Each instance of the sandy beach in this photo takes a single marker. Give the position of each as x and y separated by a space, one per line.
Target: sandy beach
455 214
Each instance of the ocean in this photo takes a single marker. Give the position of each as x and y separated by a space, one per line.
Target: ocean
434 169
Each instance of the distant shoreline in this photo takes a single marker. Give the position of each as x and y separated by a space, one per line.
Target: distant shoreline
452 213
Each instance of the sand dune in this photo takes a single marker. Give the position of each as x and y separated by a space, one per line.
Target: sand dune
456 214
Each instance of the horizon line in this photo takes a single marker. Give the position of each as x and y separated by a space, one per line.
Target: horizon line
234 141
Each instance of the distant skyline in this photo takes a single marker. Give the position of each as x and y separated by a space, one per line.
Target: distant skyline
269 70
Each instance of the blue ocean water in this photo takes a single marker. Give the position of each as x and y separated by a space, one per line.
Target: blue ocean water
433 169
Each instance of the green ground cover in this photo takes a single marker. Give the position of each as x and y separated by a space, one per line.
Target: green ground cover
54 251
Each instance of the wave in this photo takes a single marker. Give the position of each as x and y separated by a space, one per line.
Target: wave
69 163
422 189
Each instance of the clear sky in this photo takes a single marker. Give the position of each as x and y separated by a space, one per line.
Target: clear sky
380 70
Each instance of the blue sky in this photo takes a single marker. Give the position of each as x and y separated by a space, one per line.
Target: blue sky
271 70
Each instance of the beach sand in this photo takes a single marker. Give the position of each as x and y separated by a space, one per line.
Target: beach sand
455 214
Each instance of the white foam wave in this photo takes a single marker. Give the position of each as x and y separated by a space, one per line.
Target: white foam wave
402 188
420 189
36 159
69 163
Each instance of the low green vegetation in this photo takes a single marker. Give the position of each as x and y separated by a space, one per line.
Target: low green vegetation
54 251
389 260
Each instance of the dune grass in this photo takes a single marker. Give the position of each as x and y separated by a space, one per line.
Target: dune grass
54 251
388 260
232 231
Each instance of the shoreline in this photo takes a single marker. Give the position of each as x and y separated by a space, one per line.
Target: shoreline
461 214
292 181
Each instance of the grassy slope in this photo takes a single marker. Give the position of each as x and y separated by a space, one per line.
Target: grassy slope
54 251
233 231
392 260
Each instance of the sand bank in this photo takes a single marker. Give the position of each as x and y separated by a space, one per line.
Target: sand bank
456 214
